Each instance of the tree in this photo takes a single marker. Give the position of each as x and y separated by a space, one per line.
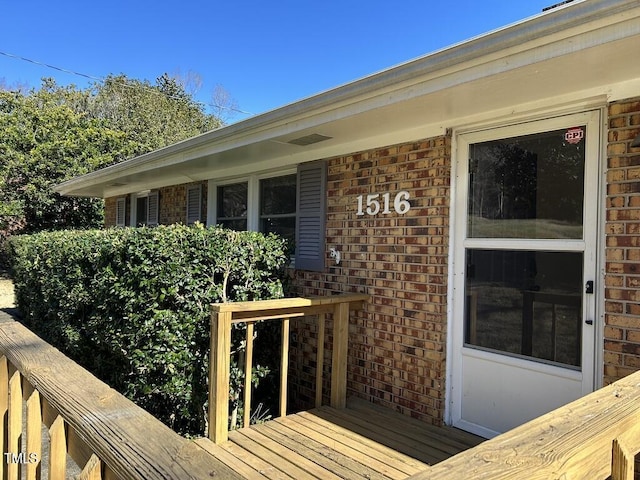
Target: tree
45 139
152 116
55 133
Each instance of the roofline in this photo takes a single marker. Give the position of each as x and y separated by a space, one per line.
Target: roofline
543 24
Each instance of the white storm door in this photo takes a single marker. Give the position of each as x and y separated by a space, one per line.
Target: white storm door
524 271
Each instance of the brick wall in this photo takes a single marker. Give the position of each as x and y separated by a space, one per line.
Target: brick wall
110 212
622 295
397 344
173 203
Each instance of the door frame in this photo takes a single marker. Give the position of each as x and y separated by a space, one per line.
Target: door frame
457 224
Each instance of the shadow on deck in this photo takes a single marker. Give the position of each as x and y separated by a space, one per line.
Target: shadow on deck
363 441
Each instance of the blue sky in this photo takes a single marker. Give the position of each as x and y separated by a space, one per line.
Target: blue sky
265 54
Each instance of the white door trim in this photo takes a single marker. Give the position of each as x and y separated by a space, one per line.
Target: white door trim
592 216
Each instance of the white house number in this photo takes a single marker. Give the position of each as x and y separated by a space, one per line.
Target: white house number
375 203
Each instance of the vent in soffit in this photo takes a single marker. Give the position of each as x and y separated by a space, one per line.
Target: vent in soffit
309 139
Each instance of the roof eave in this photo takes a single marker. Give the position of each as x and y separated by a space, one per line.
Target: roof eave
545 24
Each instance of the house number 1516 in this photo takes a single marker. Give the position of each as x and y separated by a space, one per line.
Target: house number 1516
376 203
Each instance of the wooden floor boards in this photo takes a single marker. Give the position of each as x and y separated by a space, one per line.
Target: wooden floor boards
363 441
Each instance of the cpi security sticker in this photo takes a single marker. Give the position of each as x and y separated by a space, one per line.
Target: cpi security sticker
574 135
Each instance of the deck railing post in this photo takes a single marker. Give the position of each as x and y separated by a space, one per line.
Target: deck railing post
4 408
624 449
339 358
219 360
248 364
34 434
284 367
320 359
14 470
57 450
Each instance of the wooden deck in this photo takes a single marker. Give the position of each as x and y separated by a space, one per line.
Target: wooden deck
363 441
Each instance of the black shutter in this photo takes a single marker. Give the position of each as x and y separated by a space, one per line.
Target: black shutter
121 212
194 204
153 208
311 212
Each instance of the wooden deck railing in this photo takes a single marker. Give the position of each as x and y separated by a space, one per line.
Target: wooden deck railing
223 315
108 436
594 437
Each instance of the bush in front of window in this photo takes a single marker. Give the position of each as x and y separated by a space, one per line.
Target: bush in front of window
132 305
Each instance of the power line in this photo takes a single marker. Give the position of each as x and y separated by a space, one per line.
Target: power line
102 80
35 62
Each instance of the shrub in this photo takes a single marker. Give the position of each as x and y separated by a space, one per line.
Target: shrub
132 305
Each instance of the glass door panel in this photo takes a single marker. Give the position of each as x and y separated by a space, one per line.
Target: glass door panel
525 303
530 186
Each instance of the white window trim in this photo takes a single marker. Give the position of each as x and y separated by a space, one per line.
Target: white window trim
133 212
253 196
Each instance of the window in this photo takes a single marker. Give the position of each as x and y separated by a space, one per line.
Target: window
194 204
278 206
144 209
232 206
290 205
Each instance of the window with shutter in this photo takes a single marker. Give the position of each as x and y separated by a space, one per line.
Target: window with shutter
194 204
310 224
121 205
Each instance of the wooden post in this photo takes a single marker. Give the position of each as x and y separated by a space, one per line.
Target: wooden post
15 426
284 367
219 359
248 363
57 450
339 358
320 359
622 462
92 469
4 409
34 435
623 452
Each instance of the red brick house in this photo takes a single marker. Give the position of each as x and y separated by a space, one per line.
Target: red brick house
486 196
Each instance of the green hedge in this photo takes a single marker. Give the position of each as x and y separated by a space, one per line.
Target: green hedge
132 305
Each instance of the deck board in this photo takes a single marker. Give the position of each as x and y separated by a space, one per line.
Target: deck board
363 441
459 439
298 462
329 459
421 451
357 448
264 468
370 451
231 459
